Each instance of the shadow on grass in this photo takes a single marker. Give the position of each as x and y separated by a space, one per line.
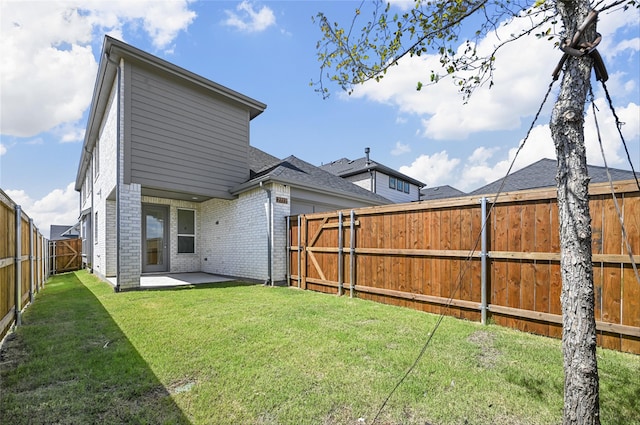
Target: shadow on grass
70 363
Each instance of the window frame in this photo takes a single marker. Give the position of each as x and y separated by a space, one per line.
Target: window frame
392 182
185 235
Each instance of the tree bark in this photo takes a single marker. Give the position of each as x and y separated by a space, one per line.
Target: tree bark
581 392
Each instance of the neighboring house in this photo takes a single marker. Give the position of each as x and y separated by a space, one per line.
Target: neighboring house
440 192
376 178
63 232
169 183
542 174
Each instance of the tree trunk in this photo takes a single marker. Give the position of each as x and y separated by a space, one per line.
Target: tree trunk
581 393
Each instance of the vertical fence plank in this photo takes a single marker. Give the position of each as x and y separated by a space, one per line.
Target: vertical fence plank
631 286
612 276
596 209
514 278
542 268
555 276
527 271
499 242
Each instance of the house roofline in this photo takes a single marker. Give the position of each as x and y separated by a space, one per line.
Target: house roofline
255 183
375 166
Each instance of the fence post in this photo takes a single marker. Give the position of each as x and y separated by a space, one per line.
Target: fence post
352 257
18 273
52 256
288 251
340 244
299 251
483 262
31 265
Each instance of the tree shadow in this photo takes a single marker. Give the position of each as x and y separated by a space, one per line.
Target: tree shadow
69 362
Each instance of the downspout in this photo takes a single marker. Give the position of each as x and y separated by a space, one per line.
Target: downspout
269 214
118 170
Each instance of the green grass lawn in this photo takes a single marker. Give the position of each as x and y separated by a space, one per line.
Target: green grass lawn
247 354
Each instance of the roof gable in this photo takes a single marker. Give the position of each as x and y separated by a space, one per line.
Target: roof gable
296 172
440 192
345 167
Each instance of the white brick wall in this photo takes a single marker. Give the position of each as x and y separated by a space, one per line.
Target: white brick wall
103 185
234 235
130 236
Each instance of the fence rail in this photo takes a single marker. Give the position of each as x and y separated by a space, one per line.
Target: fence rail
23 263
434 256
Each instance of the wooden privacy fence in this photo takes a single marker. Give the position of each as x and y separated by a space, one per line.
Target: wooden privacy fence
23 265
433 254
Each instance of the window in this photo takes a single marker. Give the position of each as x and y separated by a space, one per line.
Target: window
186 231
406 187
392 182
95 229
399 185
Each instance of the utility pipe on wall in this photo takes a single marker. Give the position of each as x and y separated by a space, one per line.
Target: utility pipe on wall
269 213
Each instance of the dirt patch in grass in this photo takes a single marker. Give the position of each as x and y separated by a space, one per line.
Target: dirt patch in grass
488 355
12 353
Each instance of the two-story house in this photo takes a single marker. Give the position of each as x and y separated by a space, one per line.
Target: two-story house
376 178
168 181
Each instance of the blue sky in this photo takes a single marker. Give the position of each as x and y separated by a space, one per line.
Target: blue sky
267 50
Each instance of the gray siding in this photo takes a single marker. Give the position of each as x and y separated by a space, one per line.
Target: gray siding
181 137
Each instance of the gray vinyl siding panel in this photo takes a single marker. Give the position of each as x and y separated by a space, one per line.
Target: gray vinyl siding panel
182 137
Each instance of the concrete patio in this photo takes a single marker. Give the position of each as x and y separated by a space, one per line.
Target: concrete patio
168 280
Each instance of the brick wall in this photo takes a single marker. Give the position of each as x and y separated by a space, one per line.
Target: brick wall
130 236
234 234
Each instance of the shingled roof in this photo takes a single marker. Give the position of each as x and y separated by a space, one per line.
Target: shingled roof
440 192
543 174
345 167
296 172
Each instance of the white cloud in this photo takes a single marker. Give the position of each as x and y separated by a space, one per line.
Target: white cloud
400 149
48 67
611 142
58 207
520 83
434 170
516 93
3 149
249 19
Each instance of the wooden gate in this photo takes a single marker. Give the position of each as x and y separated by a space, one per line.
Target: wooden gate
65 255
